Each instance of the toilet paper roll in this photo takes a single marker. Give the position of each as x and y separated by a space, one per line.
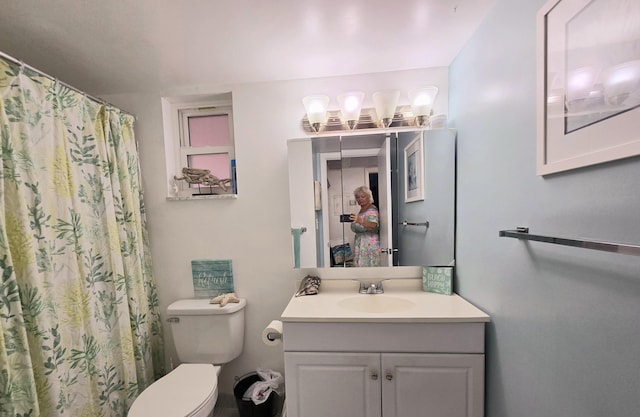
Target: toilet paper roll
272 334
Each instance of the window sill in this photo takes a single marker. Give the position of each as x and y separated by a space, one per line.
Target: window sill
203 197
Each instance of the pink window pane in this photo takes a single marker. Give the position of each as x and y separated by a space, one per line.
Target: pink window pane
209 130
218 163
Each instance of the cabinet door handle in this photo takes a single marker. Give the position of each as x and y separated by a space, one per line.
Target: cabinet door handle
374 375
389 376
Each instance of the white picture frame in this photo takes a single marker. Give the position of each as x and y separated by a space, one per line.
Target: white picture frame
586 112
414 170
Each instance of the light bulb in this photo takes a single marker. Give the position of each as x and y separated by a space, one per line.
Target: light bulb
422 100
316 108
385 103
350 107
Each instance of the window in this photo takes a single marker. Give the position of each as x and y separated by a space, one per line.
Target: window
201 151
206 143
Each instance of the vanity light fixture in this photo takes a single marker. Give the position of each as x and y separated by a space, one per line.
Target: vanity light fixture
350 107
386 112
316 107
422 100
385 103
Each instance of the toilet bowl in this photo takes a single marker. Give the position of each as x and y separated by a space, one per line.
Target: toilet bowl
204 334
190 390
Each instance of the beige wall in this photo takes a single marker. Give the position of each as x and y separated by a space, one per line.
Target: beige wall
253 230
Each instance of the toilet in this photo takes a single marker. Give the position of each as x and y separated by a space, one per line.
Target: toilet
205 336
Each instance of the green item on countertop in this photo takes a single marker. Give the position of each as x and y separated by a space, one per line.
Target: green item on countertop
437 279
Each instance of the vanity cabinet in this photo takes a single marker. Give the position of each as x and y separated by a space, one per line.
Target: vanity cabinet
364 384
404 353
392 369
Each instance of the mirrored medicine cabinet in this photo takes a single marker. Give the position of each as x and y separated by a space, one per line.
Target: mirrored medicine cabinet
416 229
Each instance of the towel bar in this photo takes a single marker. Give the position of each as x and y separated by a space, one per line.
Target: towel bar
622 248
408 223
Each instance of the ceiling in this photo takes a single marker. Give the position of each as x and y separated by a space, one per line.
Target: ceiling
117 46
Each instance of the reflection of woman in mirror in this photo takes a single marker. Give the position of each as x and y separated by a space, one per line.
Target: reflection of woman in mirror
366 225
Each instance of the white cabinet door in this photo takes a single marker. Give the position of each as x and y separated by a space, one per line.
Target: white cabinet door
432 385
332 384
303 205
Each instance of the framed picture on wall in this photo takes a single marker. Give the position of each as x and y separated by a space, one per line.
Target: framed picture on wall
588 83
414 171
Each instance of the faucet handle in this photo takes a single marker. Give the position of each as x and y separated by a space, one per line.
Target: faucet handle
372 288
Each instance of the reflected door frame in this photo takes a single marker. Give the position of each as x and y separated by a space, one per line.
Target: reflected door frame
325 245
383 206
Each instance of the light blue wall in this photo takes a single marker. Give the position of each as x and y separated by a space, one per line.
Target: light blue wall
565 333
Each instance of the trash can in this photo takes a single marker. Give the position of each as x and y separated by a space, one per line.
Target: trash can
272 407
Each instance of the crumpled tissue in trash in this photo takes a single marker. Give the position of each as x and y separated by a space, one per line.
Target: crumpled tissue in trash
259 391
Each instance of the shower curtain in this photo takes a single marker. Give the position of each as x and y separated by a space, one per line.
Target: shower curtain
80 331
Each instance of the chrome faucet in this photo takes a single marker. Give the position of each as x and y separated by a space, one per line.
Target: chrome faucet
372 288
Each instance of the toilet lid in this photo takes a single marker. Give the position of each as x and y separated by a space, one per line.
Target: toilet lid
181 392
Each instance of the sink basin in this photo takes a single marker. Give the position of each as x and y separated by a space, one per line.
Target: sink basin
376 304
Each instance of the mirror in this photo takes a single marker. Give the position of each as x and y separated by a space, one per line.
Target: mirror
416 217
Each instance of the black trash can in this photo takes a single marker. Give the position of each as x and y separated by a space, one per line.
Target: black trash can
270 408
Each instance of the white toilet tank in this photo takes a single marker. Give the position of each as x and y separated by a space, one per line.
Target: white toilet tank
207 333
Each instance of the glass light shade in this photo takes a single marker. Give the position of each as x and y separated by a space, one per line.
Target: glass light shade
350 107
581 82
316 108
422 100
385 103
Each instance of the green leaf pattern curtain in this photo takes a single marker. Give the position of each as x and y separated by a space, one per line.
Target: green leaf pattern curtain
80 331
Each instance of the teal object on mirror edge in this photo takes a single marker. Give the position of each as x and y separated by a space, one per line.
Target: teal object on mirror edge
296 232
437 279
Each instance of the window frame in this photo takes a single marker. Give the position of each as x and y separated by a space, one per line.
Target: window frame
185 150
175 110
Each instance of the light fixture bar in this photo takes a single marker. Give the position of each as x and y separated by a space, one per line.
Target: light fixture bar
403 118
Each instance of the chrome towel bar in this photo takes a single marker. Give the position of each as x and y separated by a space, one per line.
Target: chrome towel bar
408 223
622 248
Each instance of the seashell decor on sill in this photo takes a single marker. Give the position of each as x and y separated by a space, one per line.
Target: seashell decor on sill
202 177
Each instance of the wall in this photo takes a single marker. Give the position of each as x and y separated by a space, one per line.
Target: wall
254 230
564 335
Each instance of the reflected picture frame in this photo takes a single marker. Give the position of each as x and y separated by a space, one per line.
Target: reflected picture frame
414 170
588 79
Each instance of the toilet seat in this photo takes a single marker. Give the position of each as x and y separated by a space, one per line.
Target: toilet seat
190 390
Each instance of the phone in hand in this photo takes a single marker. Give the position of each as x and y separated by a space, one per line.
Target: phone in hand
345 218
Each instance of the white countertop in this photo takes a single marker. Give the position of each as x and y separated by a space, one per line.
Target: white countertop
417 306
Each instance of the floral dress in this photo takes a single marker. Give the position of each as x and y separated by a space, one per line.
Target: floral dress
367 242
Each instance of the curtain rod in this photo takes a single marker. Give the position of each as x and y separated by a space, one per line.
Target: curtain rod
96 99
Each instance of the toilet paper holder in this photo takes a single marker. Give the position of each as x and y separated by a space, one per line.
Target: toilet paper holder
274 336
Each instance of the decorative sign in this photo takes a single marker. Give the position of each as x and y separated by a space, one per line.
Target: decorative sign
212 277
437 279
